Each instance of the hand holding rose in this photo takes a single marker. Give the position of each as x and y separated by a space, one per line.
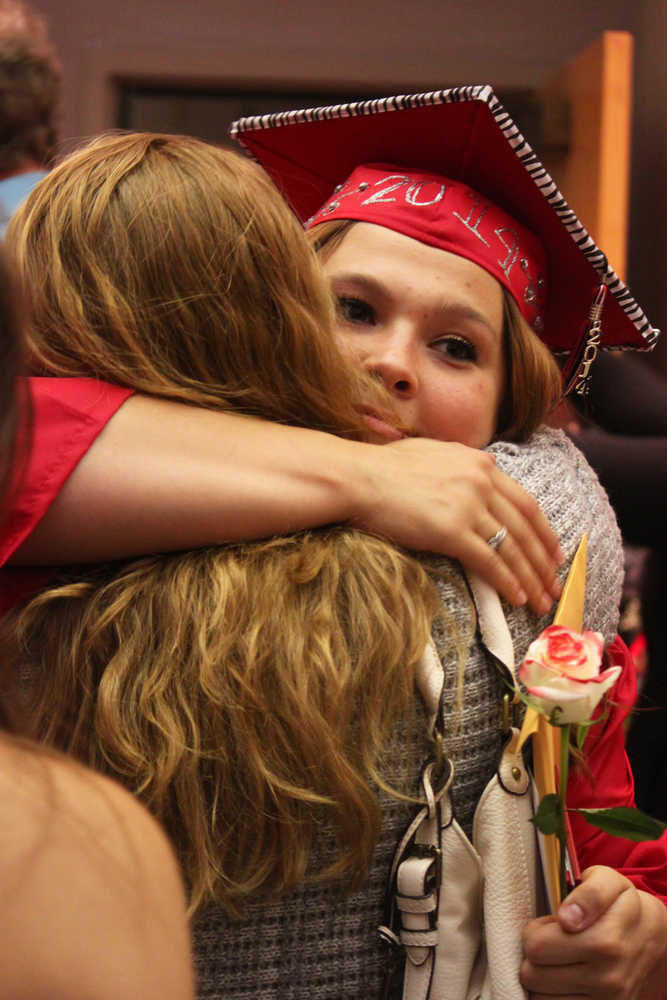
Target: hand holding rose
607 942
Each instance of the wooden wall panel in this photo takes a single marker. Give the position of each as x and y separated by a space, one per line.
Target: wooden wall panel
594 175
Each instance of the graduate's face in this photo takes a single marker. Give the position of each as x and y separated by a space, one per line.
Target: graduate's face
427 322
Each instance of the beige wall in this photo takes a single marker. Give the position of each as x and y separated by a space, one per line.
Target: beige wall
389 44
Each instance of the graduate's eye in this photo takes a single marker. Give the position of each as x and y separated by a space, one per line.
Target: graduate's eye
355 310
456 348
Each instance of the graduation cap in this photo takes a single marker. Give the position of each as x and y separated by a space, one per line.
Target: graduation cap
451 169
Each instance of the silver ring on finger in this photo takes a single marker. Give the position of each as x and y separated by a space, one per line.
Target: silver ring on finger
495 541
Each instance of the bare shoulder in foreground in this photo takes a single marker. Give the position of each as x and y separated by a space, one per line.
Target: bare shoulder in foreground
91 902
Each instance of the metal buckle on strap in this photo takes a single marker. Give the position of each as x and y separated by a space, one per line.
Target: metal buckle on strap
433 880
511 712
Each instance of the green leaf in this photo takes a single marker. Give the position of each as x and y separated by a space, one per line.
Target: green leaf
549 815
624 822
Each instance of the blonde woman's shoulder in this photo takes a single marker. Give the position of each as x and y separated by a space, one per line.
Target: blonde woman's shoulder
91 901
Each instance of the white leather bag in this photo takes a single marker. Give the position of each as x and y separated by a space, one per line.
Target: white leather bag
460 907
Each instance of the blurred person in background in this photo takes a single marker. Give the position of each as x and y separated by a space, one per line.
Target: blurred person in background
29 104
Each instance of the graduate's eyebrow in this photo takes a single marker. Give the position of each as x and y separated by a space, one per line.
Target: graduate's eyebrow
463 312
367 284
364 283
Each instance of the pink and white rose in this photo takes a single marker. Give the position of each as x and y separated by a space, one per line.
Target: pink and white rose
561 670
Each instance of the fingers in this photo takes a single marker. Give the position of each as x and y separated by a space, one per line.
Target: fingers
526 560
605 941
493 566
530 509
506 569
530 552
531 549
443 497
599 890
556 964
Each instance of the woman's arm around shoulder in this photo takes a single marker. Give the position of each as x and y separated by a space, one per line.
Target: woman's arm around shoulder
163 476
91 898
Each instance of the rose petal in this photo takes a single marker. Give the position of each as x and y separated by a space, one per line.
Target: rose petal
576 699
571 653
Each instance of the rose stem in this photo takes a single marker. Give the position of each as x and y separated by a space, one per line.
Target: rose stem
562 835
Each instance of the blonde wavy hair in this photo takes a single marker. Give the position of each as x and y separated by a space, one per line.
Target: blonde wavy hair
533 384
244 693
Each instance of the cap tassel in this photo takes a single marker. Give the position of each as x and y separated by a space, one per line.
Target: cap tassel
577 372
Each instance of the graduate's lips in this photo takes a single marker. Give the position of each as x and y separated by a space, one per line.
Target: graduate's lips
381 427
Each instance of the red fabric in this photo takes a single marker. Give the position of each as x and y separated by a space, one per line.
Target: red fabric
451 216
610 783
68 414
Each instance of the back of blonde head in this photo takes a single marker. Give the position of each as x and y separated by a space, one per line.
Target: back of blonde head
172 267
244 693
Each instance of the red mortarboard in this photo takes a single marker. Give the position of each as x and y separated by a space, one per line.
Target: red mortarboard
466 135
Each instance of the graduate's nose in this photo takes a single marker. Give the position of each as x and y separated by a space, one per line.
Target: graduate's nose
392 358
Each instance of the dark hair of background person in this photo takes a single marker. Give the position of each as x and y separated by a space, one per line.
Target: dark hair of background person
29 90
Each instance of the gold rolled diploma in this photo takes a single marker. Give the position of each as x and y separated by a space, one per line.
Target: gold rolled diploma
546 738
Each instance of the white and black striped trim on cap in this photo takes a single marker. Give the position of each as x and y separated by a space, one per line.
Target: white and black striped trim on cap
522 149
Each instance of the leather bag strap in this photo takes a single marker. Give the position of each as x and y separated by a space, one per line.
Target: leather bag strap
418 874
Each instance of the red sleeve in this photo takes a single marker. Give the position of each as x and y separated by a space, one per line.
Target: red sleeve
609 782
68 414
